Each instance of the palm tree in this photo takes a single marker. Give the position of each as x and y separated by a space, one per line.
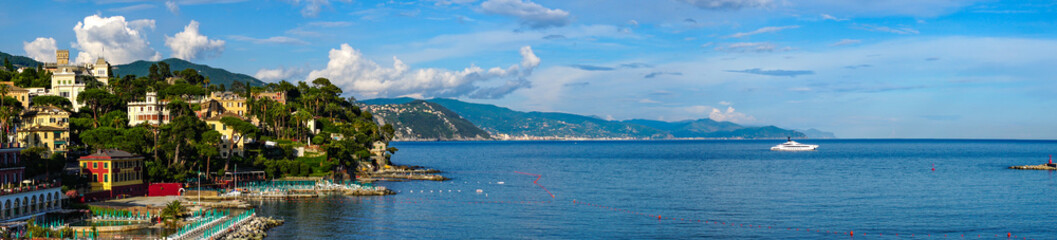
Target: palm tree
301 116
172 211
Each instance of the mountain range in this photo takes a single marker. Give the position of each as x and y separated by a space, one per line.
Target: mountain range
422 121
142 68
216 75
504 123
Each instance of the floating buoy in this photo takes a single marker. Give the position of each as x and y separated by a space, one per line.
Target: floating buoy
480 191
500 183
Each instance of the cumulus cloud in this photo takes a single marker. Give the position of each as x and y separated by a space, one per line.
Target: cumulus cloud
843 42
730 116
191 45
779 73
729 4
720 115
529 13
277 74
349 69
117 40
173 7
762 30
41 49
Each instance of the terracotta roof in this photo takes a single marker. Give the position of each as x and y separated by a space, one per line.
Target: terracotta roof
105 154
34 110
43 129
225 114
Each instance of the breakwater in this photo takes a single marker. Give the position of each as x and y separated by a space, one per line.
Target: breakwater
1036 167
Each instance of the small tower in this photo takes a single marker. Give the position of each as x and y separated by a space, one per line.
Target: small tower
62 57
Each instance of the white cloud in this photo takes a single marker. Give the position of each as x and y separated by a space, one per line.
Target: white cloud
115 39
761 30
531 14
843 42
173 7
729 4
273 40
277 74
349 69
729 115
647 100
191 45
41 49
831 17
725 103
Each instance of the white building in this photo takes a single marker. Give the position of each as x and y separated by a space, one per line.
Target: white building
64 82
148 111
22 199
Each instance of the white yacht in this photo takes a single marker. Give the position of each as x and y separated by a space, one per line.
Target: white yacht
793 146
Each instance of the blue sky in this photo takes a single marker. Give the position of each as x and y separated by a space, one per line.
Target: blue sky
861 69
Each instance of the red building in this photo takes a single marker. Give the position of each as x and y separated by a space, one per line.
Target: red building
11 169
114 173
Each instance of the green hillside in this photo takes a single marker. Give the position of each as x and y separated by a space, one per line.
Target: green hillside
19 61
421 120
216 75
500 120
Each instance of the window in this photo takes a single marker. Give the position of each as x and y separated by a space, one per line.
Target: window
106 177
106 165
95 177
84 165
95 165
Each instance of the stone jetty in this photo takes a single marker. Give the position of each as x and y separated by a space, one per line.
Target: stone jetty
254 229
1036 167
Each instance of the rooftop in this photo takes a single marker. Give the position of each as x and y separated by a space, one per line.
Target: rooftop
110 154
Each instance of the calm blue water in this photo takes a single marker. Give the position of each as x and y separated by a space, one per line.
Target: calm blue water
871 187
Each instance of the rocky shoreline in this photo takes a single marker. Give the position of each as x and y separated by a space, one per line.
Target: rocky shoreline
1036 167
256 228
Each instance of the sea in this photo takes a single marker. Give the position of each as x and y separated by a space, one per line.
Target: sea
698 189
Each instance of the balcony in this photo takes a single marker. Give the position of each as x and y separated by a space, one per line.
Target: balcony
29 188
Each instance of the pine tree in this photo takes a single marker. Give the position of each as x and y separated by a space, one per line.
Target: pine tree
8 66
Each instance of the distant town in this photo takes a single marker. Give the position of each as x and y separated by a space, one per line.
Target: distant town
76 136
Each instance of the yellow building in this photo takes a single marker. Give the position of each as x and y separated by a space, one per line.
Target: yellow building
227 133
114 173
230 102
20 94
45 126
